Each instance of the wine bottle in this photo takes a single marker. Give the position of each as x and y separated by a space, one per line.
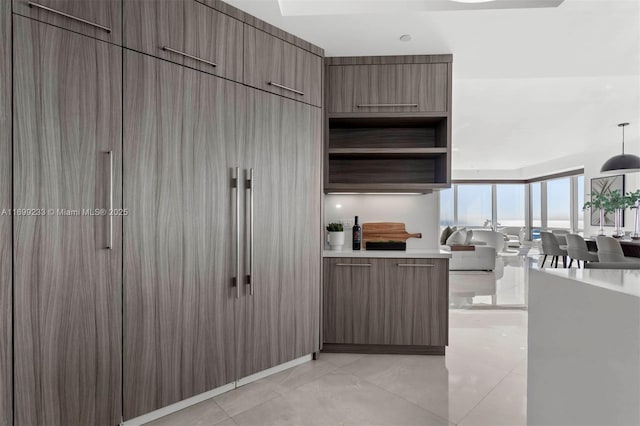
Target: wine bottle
357 235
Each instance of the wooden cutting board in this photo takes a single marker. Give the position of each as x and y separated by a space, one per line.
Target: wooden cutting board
385 231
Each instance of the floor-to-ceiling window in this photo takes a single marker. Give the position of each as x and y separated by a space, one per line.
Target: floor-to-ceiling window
510 205
559 203
474 205
580 191
447 207
553 204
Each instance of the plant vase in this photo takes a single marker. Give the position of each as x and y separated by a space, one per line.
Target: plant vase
617 220
636 228
601 213
336 240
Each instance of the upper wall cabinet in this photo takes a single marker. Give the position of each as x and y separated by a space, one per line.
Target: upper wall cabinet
101 19
277 66
186 32
396 88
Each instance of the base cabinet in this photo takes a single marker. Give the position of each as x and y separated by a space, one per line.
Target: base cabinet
385 305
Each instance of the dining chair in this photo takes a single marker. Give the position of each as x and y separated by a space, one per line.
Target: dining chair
578 250
551 247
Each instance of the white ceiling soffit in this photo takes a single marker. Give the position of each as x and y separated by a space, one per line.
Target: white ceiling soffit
349 7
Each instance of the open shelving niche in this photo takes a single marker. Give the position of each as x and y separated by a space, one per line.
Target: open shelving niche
387 154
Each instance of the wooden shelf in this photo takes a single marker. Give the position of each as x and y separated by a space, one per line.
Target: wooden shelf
387 151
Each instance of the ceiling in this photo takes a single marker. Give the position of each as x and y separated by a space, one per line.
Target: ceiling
530 85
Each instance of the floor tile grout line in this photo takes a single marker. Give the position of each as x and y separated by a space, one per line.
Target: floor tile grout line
276 390
483 398
401 397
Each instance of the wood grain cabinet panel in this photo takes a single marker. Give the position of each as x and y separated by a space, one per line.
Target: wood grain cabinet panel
279 67
376 88
105 14
179 143
67 115
282 144
417 302
353 301
6 326
208 40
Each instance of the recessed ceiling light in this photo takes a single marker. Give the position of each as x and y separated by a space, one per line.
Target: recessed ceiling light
405 37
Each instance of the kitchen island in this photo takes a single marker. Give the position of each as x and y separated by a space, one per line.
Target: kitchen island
386 301
584 347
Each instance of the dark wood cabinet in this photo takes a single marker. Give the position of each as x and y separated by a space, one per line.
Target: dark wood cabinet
278 318
353 300
179 143
140 277
277 66
186 32
67 121
388 124
6 327
379 305
417 301
398 88
101 19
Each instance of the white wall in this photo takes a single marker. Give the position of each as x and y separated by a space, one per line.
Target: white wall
420 213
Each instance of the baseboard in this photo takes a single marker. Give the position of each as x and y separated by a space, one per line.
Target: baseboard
383 349
180 405
185 403
274 370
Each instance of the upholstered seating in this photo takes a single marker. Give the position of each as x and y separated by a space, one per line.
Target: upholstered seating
609 250
578 251
551 247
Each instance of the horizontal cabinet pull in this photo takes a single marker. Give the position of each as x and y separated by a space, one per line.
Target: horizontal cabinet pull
271 83
354 264
168 49
414 265
66 15
387 105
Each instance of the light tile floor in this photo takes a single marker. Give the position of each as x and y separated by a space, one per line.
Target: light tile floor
481 381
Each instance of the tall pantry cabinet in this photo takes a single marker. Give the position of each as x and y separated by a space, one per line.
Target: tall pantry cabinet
68 272
6 328
199 128
180 138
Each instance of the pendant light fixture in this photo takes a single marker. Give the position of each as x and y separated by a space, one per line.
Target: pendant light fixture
626 163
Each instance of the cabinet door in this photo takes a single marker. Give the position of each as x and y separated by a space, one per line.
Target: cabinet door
401 88
277 66
6 327
198 36
67 118
353 301
282 144
179 140
101 19
417 301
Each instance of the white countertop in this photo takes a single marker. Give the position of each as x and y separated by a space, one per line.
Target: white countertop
625 281
390 254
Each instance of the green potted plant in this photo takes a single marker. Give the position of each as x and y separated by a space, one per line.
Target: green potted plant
598 202
633 201
616 203
335 236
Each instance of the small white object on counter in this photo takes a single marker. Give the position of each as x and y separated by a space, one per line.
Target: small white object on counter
391 254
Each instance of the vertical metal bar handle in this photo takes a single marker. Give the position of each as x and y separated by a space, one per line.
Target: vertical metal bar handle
235 183
250 186
110 207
